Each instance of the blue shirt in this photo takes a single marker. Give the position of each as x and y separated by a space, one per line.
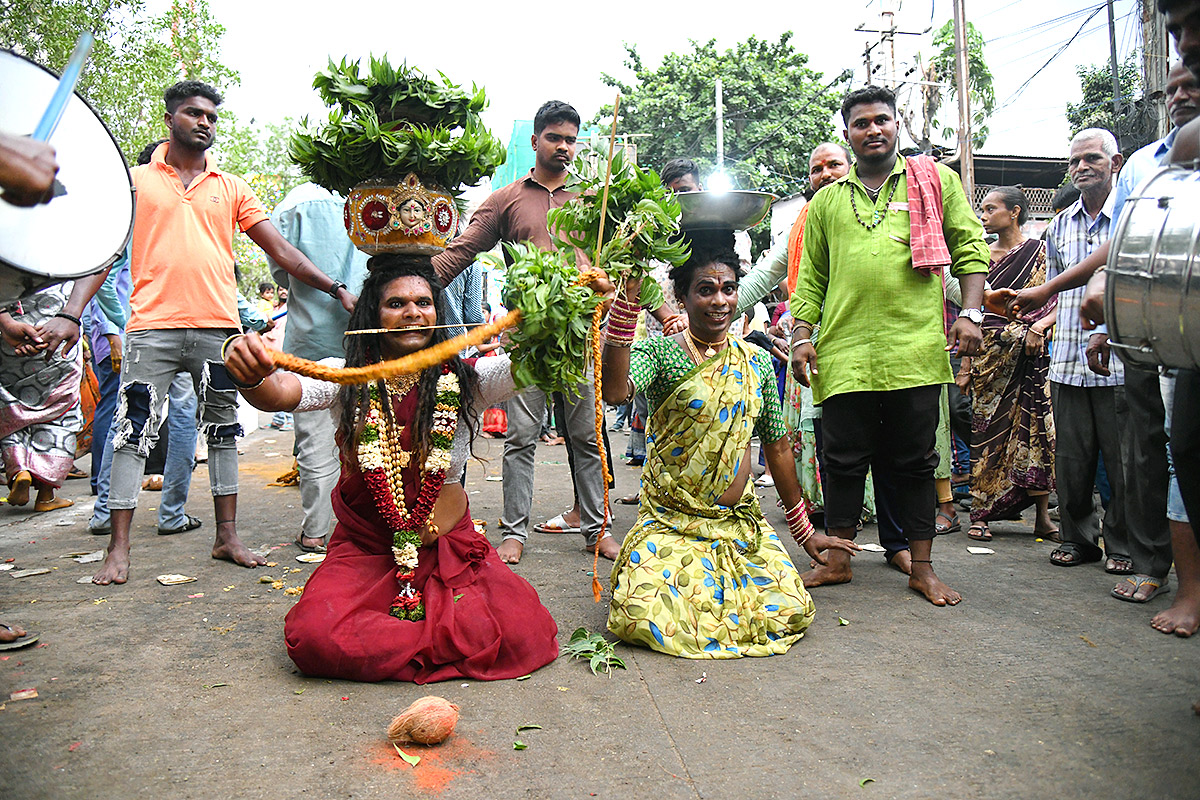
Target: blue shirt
108 311
462 300
1141 165
312 218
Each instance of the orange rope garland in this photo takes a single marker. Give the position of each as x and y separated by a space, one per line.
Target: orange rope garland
413 362
597 318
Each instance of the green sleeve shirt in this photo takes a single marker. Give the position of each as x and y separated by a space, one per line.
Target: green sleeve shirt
881 321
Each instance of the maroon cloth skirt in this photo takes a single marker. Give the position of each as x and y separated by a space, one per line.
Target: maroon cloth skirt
482 621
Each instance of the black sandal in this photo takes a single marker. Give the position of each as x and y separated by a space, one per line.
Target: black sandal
1068 555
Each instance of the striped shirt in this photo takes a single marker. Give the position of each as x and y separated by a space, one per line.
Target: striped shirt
1071 238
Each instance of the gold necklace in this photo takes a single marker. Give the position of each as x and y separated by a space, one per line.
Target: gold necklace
711 348
401 384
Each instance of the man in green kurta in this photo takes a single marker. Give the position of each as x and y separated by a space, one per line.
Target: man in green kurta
883 343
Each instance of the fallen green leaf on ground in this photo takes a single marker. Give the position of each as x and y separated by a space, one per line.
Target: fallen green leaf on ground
528 728
524 677
599 652
843 621
519 745
865 781
412 760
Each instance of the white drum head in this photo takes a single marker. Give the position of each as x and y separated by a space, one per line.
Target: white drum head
77 233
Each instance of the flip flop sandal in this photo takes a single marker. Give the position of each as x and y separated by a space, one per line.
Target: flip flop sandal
1069 556
190 524
556 525
1139 582
979 532
631 500
1118 565
310 548
953 527
17 644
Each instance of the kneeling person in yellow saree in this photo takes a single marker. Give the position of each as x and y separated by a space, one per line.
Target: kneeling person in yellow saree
702 574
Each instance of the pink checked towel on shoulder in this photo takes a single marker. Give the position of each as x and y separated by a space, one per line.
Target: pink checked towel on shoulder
929 251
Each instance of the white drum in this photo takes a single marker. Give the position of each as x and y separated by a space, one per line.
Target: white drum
86 227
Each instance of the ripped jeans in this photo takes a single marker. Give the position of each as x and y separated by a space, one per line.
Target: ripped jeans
152 358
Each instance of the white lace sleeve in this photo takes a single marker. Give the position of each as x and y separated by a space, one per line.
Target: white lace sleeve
495 381
316 395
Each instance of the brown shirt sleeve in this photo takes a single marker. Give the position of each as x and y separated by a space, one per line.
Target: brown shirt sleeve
481 235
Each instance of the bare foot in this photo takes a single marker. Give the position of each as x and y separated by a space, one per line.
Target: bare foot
46 501
929 584
902 561
510 551
1181 619
10 633
836 570
18 492
228 547
608 547
116 566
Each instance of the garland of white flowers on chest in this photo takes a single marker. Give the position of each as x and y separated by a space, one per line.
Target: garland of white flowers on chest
381 458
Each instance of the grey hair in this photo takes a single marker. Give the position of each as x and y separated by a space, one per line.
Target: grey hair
1108 142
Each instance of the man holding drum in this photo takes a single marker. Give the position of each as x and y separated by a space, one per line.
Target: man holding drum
183 306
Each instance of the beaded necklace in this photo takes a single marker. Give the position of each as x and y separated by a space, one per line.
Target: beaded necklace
381 458
876 217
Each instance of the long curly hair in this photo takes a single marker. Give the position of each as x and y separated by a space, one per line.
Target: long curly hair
362 350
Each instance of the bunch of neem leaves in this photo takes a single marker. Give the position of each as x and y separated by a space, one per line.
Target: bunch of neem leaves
390 122
641 222
600 653
549 347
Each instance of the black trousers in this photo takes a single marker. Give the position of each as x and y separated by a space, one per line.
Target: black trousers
1185 442
891 535
1146 478
893 433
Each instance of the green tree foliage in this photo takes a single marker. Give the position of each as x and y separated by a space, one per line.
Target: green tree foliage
1095 109
776 111
939 72
136 55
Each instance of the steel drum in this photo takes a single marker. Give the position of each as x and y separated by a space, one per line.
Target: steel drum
737 210
87 226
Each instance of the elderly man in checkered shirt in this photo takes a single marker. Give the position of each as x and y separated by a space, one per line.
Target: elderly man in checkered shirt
1091 415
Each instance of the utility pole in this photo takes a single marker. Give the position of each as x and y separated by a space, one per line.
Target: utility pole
720 128
887 38
1116 79
1155 62
965 158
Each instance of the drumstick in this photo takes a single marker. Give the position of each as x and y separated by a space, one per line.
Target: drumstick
66 85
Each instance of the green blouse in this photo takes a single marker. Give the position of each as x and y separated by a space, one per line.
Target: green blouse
657 366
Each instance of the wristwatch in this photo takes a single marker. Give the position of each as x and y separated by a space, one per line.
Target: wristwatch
333 290
973 314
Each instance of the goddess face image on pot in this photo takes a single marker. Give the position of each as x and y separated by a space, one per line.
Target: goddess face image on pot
413 217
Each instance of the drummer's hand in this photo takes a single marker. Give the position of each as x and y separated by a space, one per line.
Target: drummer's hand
247 359
996 301
27 170
820 542
58 331
1091 311
114 344
1097 354
675 324
1028 300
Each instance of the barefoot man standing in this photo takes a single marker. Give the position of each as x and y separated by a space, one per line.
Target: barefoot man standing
874 244
182 308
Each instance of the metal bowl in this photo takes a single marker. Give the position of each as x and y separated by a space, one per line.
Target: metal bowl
734 210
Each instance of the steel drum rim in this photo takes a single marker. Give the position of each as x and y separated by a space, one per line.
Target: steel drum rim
51 279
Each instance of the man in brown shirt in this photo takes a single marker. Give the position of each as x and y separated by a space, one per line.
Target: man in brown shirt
517 213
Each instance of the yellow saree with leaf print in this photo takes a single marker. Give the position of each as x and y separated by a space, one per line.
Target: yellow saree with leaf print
694 578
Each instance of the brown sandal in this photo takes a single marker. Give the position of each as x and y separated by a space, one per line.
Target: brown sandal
979 531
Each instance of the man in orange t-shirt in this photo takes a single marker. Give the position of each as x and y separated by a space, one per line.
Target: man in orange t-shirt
183 307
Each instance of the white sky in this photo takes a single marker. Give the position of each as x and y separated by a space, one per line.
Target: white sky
527 53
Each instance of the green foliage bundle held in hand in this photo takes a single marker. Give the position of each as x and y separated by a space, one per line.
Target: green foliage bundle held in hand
641 221
390 122
549 347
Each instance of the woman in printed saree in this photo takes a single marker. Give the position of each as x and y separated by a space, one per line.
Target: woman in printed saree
408 590
702 574
1012 430
40 412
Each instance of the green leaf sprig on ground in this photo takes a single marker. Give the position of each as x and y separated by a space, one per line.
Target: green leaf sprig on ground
391 121
549 347
596 649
